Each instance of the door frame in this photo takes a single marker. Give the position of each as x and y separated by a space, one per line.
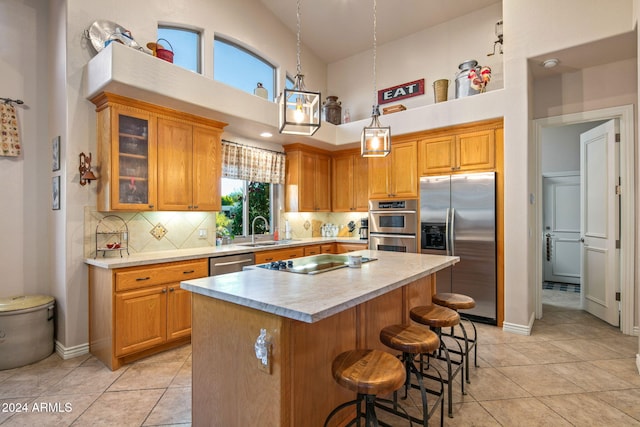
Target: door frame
625 115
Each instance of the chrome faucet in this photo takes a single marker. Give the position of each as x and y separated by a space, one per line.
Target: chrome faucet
253 227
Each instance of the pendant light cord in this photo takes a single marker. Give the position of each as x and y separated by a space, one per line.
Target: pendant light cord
375 98
299 68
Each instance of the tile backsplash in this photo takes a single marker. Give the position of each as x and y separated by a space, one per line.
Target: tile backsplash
177 230
160 231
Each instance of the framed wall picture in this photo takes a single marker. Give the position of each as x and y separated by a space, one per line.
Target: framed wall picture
55 152
55 193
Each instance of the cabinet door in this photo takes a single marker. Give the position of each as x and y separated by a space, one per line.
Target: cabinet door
140 320
178 312
133 151
476 150
378 172
175 165
404 170
307 185
437 156
342 184
322 187
207 169
360 183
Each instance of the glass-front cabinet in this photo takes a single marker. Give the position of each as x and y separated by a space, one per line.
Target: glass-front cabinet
134 161
155 158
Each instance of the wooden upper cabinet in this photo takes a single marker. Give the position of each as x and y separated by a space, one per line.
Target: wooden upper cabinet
396 175
458 151
307 180
207 168
155 158
175 164
126 152
476 150
350 182
189 169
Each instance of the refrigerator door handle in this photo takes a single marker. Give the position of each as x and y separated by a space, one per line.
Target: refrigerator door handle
452 231
447 242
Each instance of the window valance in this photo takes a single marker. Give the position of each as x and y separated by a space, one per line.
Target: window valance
252 163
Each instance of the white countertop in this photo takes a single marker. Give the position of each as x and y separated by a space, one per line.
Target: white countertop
147 258
309 298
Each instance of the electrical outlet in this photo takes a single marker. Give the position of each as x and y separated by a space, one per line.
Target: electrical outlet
202 233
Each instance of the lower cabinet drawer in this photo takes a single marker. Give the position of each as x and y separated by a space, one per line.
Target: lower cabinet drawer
156 274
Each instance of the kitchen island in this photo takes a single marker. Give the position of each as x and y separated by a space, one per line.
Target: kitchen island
309 319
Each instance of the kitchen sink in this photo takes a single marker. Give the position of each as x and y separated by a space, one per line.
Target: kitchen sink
266 243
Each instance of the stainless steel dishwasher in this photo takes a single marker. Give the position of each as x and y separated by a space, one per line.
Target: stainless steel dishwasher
230 263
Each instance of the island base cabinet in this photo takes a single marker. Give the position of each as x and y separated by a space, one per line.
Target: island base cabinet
231 388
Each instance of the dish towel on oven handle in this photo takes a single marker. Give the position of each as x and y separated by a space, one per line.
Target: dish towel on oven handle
9 136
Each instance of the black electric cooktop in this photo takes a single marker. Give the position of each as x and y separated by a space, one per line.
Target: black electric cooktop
313 264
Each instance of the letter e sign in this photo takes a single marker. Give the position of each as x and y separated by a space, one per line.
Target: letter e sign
405 90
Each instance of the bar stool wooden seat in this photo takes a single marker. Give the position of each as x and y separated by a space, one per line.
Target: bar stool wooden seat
461 302
438 317
369 373
414 340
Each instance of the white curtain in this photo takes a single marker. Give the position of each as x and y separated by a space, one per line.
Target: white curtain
251 163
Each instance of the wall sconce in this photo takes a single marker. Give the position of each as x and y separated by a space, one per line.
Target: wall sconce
86 176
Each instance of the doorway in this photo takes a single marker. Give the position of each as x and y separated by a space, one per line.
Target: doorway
588 120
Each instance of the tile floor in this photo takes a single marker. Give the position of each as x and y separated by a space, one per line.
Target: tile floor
573 370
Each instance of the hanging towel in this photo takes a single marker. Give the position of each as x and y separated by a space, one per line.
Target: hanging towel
9 136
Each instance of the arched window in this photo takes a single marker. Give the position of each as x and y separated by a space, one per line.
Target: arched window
185 44
241 68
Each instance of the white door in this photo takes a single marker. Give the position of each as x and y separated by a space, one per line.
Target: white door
561 240
599 170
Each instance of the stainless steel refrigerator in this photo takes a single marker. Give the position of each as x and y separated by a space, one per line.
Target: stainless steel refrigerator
458 217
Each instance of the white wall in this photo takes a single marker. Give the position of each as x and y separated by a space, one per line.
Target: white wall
531 31
25 193
431 54
561 147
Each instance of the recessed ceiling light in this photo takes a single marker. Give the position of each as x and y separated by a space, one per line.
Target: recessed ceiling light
550 63
266 134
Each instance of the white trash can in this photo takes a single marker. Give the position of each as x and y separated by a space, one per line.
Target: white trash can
26 329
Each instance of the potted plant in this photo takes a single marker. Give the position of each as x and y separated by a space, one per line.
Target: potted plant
222 229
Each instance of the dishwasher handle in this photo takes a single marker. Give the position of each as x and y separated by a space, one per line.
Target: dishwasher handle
241 261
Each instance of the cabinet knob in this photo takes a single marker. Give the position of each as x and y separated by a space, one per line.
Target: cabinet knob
171 289
140 279
164 291
150 206
195 207
188 272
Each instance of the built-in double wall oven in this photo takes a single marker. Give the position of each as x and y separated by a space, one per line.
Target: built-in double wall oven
393 225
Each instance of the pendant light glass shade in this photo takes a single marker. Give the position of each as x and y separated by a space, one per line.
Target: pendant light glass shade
299 110
376 139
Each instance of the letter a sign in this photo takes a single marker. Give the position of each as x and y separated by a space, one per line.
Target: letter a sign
405 90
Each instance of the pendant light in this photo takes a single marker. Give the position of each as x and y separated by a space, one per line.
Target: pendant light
376 139
299 108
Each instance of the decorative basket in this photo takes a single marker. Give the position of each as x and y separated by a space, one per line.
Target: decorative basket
163 53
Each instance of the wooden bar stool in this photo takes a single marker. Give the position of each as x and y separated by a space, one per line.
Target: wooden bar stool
438 317
414 340
461 302
369 373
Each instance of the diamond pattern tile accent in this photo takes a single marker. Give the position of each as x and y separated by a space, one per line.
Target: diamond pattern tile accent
158 231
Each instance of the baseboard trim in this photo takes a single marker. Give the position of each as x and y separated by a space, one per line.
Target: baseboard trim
71 352
638 363
515 328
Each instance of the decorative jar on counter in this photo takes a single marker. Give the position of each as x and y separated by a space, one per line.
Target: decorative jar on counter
332 110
